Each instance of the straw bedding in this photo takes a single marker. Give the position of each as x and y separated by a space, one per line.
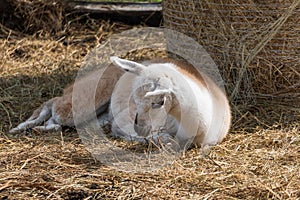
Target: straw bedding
259 160
33 16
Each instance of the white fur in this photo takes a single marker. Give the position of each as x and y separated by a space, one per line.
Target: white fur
199 106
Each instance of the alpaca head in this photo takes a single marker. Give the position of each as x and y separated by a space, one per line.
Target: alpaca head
152 94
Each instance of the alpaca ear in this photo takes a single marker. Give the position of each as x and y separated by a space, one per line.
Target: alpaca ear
127 65
158 92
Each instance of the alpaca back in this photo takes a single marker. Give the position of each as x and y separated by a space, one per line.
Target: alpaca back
221 113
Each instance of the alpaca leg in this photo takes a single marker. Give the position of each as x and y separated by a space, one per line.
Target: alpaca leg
40 115
51 125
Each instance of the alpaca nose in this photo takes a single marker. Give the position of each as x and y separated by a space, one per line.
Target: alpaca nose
142 130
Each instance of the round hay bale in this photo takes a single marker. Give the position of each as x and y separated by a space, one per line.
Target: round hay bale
255 43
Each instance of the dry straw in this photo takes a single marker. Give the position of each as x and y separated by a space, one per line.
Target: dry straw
255 43
33 16
34 68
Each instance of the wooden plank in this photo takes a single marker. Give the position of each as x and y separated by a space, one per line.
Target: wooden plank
114 7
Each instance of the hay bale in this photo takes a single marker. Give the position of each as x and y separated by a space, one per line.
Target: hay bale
32 16
256 44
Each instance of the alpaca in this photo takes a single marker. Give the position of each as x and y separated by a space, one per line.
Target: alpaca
157 97
167 93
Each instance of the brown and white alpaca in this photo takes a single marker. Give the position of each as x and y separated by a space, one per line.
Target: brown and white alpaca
172 97
168 96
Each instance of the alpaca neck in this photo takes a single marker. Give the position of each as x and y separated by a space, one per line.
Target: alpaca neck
192 107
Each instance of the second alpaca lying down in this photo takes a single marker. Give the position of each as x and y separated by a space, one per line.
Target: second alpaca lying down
162 95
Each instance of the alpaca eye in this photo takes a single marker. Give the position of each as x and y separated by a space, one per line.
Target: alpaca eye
158 104
162 102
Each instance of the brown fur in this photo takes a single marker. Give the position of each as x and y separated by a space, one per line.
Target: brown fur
184 68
